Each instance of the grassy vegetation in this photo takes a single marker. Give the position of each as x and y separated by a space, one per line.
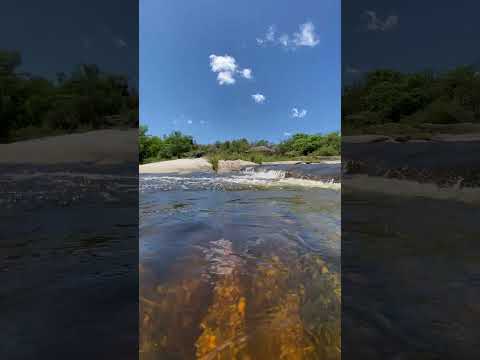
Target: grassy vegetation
419 104
301 147
32 106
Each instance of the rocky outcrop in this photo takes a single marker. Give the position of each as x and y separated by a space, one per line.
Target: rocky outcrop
233 165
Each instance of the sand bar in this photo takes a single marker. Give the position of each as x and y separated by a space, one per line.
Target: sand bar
181 166
101 146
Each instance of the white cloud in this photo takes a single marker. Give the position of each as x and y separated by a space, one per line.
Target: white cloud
222 63
259 98
189 122
226 67
225 77
287 134
247 73
377 24
305 37
295 113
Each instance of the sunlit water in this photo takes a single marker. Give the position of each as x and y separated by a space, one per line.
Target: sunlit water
243 266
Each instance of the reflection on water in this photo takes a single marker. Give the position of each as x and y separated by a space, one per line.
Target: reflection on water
239 274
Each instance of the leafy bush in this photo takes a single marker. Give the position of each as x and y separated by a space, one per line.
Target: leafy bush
387 96
177 145
441 112
304 144
86 99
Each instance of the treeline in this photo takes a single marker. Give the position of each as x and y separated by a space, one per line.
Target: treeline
88 98
177 145
391 97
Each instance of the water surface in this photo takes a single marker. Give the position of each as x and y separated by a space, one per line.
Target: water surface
68 261
242 266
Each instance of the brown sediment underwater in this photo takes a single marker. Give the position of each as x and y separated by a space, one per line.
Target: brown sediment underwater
254 277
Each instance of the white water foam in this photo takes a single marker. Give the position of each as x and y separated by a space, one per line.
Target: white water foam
331 184
264 174
249 178
278 178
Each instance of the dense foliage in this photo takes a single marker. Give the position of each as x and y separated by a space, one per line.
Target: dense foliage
32 106
176 145
173 146
392 97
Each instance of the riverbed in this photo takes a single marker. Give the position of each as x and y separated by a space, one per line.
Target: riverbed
240 266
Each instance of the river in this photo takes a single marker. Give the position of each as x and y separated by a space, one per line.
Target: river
241 266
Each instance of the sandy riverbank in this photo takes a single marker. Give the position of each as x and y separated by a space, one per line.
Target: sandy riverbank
185 166
100 146
182 166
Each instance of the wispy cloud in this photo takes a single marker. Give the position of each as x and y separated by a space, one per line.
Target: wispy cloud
189 122
259 98
284 40
306 36
269 36
202 122
226 68
375 23
119 43
286 133
296 113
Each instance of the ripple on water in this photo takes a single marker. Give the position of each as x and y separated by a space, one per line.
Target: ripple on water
239 274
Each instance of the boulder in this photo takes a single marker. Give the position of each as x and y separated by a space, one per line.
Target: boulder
233 165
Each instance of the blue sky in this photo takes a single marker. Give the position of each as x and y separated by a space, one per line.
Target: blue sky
201 62
91 33
407 37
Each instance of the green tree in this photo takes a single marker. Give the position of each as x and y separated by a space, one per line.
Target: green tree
175 145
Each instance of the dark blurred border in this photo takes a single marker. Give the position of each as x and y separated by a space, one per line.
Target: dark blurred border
410 183
69 179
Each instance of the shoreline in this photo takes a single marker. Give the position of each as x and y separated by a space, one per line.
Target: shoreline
102 147
407 188
189 166
403 138
179 166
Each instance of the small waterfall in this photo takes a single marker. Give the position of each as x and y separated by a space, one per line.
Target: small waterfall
264 174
